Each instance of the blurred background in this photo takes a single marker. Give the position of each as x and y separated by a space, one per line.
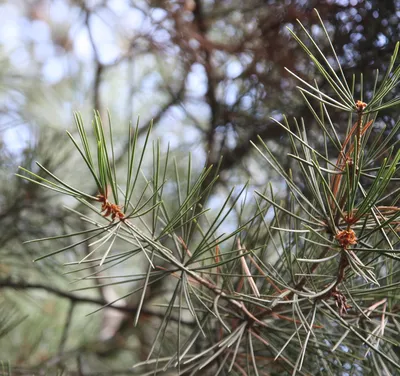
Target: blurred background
209 73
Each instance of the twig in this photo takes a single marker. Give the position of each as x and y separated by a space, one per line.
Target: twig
74 298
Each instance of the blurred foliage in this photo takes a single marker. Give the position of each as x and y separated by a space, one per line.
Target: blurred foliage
210 74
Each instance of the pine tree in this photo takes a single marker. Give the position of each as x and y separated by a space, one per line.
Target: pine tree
304 282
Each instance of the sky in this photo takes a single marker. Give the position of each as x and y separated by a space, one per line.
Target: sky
29 43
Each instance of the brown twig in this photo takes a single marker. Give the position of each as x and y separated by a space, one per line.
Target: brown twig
77 299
